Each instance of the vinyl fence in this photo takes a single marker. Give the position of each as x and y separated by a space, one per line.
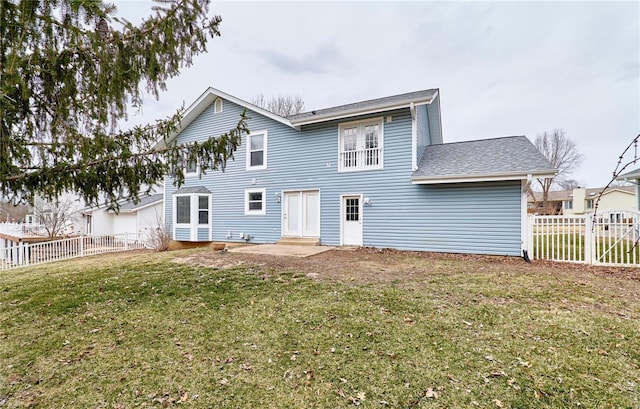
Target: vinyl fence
611 238
44 252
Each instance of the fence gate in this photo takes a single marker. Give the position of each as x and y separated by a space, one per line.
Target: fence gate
611 238
615 239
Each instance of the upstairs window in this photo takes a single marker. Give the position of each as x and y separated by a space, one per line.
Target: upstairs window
589 203
568 204
191 169
257 150
360 145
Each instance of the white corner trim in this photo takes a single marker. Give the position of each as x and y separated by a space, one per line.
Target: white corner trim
414 137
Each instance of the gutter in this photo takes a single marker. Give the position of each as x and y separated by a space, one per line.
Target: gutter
360 111
432 180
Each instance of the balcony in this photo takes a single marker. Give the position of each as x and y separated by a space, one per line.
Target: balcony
363 159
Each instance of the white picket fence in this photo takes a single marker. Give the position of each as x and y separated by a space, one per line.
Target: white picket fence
26 254
612 238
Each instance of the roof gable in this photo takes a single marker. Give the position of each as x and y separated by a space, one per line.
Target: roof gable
207 98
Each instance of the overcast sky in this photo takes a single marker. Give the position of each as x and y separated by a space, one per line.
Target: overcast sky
503 68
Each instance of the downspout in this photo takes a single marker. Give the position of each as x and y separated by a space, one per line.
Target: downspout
414 137
524 234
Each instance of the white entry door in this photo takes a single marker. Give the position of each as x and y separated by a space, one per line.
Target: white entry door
301 214
351 220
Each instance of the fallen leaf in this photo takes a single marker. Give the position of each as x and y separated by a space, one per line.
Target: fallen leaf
430 393
498 403
361 395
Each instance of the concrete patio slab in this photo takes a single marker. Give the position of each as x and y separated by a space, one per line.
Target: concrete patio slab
281 250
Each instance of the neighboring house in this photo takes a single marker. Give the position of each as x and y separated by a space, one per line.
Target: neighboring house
580 201
555 200
373 173
634 178
131 218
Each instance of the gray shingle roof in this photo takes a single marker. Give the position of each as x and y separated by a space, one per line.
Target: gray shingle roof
508 156
144 201
634 174
195 189
373 104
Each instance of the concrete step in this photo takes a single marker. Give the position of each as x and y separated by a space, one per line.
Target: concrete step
299 241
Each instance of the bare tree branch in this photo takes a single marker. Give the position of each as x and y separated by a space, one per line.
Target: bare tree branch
563 154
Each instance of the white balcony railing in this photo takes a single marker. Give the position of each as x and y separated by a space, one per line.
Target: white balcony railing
364 159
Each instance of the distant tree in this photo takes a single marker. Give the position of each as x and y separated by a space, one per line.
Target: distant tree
568 184
57 217
283 105
69 70
10 212
563 154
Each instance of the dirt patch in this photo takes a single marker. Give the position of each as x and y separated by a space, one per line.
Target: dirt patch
389 265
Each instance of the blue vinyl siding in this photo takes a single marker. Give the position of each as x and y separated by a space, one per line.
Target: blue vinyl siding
183 234
464 218
203 234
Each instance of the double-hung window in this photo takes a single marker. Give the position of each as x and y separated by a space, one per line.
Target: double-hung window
257 150
360 145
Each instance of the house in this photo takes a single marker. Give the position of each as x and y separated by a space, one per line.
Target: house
372 173
619 199
633 177
131 217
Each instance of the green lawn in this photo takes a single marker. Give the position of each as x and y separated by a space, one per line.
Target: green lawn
125 331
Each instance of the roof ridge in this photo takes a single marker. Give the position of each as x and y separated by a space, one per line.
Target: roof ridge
366 101
482 140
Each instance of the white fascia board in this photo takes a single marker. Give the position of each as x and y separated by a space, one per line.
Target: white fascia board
206 99
358 112
480 178
135 209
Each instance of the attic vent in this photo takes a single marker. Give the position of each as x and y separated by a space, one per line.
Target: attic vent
217 105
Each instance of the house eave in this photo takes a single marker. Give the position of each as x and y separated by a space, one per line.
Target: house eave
363 111
205 100
434 180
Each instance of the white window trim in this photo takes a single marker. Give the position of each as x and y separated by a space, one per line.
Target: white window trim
260 212
361 124
194 210
264 150
196 173
215 105
175 211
